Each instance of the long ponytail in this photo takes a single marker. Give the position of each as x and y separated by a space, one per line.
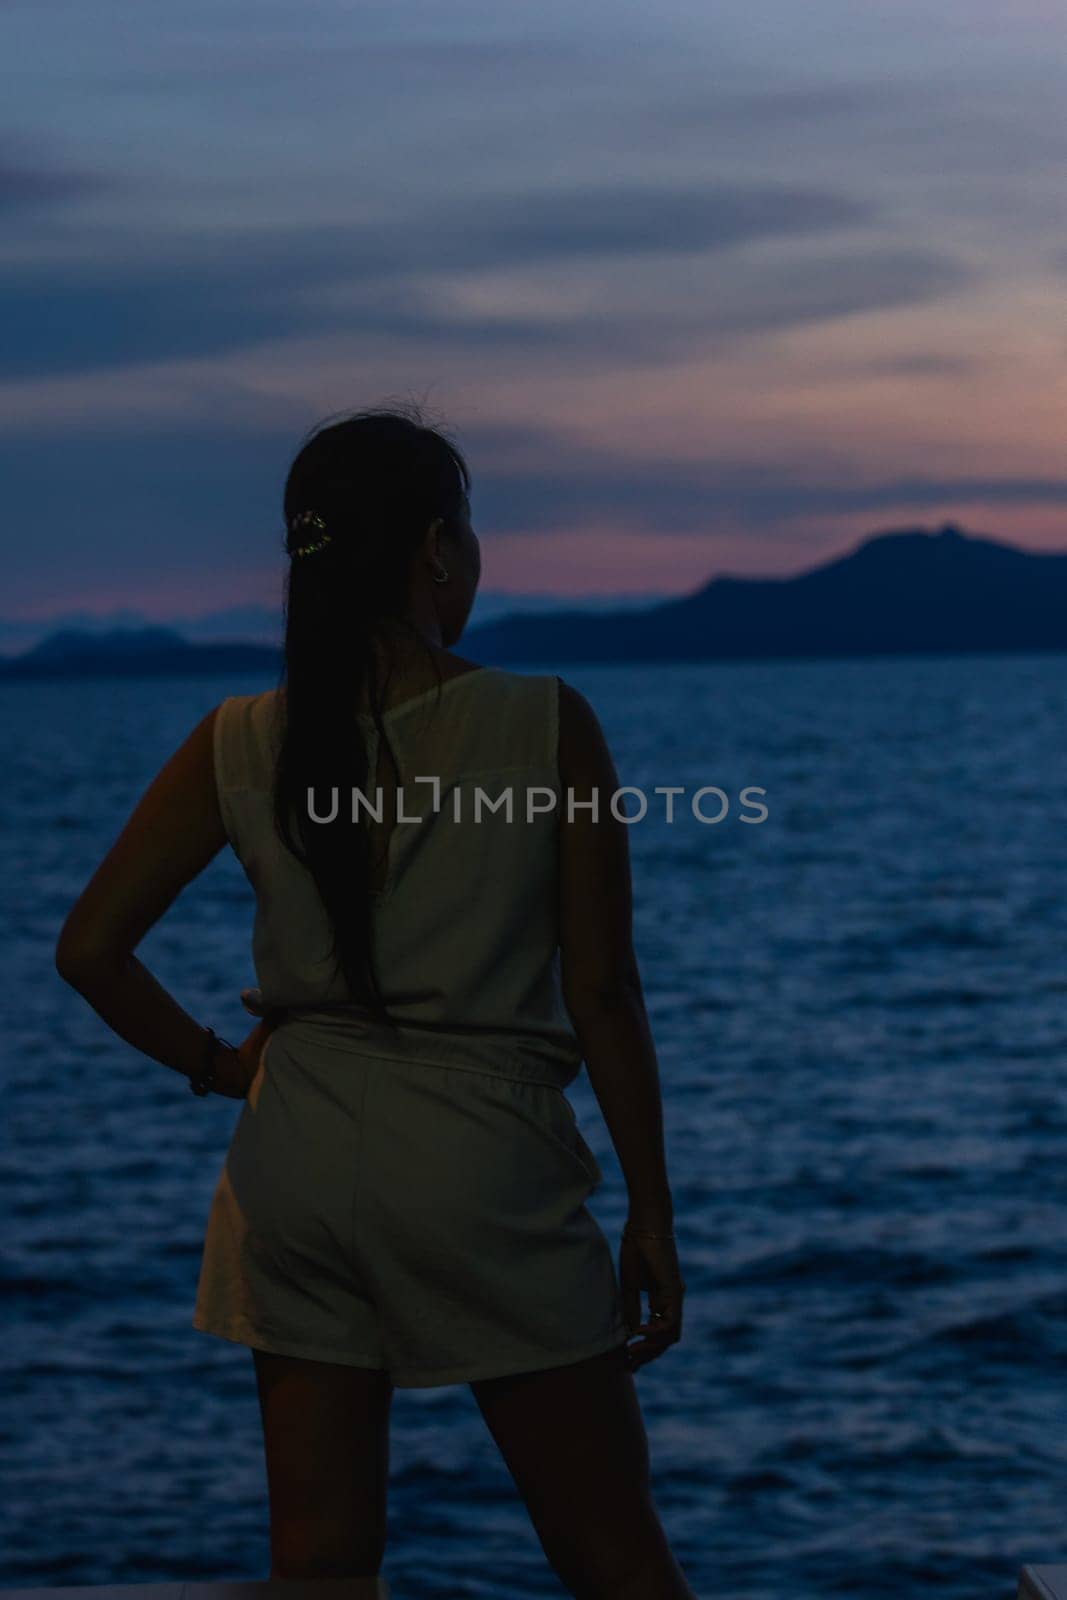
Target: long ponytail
358 499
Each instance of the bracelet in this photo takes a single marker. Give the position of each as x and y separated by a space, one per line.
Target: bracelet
202 1082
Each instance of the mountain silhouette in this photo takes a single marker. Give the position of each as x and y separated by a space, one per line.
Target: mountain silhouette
133 653
905 592
74 644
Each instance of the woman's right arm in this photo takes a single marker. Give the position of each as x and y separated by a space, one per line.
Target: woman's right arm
601 982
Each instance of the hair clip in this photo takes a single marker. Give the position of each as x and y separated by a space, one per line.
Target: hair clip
308 519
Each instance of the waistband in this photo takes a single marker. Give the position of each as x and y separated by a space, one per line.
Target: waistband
502 1053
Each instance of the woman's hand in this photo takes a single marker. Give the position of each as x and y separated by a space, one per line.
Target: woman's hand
252 1000
236 1067
650 1265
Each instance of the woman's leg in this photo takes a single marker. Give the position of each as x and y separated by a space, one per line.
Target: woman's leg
326 1438
574 1441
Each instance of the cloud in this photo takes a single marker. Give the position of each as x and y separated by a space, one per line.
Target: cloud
202 296
139 510
630 219
788 104
917 364
769 503
169 509
25 186
579 483
81 317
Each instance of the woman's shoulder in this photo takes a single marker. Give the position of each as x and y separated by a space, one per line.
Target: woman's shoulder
531 696
582 746
504 681
451 665
513 678
258 697
236 712
492 717
245 724
256 710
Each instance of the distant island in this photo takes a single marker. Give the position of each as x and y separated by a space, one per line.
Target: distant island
134 653
906 592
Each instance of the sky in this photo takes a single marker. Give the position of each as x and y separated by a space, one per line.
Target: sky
697 289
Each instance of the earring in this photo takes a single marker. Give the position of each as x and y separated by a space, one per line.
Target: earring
441 576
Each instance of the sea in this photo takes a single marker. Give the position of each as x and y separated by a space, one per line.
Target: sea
859 1002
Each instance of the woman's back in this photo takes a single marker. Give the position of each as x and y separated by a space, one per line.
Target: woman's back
465 922
414 1196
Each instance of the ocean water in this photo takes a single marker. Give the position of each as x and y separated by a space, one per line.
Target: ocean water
860 1006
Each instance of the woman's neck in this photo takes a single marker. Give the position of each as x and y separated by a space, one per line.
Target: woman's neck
406 660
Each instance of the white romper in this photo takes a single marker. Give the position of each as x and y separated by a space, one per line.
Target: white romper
414 1200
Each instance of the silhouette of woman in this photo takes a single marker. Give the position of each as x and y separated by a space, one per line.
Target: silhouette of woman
403 1199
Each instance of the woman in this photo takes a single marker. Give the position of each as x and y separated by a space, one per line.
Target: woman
403 1198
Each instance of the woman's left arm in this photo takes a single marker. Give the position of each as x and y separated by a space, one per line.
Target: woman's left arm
175 830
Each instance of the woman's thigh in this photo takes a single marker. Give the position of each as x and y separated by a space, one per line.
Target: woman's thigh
574 1441
326 1440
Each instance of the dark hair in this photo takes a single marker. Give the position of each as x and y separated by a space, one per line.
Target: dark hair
377 479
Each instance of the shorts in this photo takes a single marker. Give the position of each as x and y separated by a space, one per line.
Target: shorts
422 1219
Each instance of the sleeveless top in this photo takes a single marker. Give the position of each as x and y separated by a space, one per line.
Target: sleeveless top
465 930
